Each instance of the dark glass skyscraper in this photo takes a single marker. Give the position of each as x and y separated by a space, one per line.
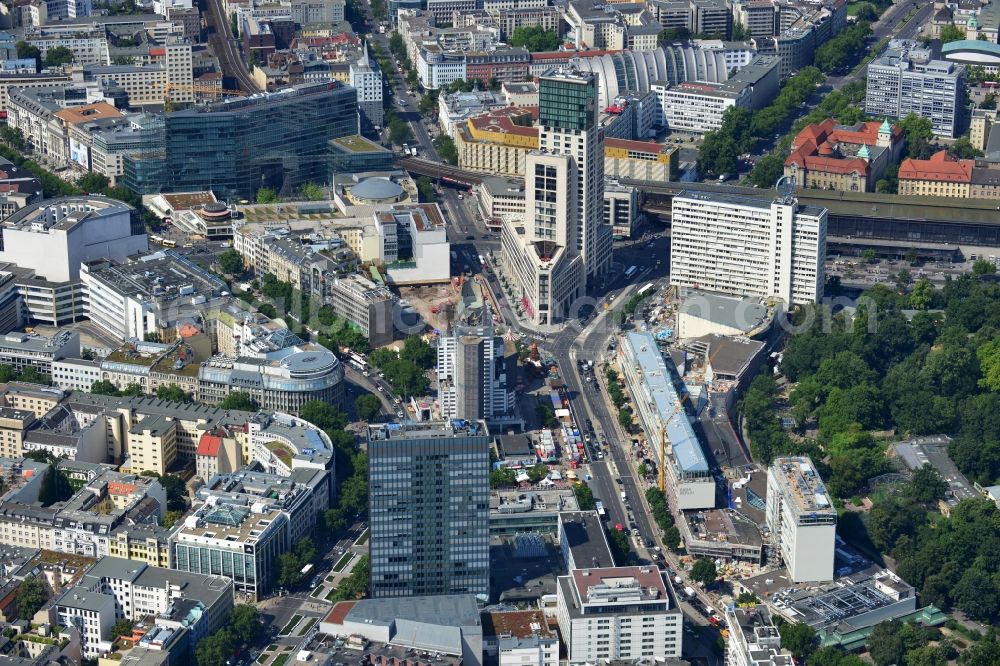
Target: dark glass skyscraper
429 508
234 147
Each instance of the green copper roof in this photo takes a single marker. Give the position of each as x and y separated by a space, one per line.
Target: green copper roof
863 153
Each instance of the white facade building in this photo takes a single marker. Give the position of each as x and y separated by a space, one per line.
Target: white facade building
906 80
697 106
367 80
617 613
802 521
90 612
54 237
748 247
475 378
753 639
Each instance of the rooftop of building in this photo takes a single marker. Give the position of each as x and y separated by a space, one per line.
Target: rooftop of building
659 382
500 186
833 148
558 500
619 584
801 482
728 355
732 312
63 213
179 201
742 201
357 144
517 624
940 167
585 538
87 112
163 275
428 430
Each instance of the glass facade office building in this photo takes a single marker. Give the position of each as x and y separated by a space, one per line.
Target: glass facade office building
567 102
235 147
429 508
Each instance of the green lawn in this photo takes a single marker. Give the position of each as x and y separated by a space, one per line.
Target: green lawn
280 661
329 595
341 563
272 646
307 626
291 625
363 539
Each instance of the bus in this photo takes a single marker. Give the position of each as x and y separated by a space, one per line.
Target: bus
645 289
307 569
357 360
631 271
166 242
600 508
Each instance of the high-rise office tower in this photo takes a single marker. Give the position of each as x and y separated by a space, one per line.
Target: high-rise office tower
429 508
367 80
802 521
748 247
475 376
567 117
563 244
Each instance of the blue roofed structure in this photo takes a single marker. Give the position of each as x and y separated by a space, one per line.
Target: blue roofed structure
649 376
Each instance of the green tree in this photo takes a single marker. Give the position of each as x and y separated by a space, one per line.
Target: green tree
445 147
104 387
917 132
584 497
963 149
625 419
867 12
885 644
216 649
621 550
417 351
244 620
989 364
356 585
231 262
133 390
267 195
58 56
240 400
703 571
173 393
984 267
122 627
672 538
29 51
642 470
367 407
535 39
537 473
798 638
670 35
170 518
951 33
323 415
504 477
425 188
313 192
768 170
31 596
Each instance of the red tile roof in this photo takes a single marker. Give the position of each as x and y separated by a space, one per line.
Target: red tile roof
941 167
813 146
209 445
502 120
339 612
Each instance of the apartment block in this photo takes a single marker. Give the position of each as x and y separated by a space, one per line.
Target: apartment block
748 247
428 479
802 521
617 613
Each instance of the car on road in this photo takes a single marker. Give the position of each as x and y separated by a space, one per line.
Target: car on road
399 414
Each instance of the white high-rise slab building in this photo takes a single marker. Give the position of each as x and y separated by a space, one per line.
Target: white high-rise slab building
802 521
748 247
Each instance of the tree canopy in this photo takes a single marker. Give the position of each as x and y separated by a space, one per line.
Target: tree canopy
31 596
535 38
240 400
